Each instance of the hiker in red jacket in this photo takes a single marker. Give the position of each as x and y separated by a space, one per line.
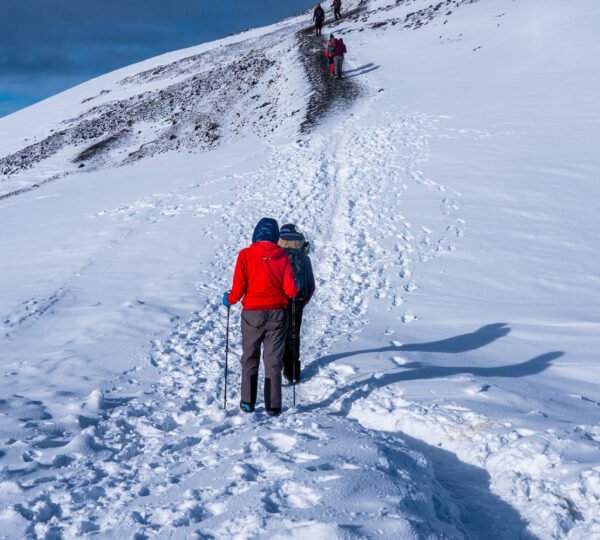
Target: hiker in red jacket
338 57
264 281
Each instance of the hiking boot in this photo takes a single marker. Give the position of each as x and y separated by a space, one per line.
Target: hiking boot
247 407
273 412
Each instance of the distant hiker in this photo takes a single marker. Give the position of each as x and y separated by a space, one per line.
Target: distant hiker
297 248
329 50
264 278
319 18
338 57
337 6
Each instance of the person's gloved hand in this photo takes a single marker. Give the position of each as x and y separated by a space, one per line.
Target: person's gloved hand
225 300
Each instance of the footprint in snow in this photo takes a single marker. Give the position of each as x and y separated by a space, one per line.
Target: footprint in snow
298 495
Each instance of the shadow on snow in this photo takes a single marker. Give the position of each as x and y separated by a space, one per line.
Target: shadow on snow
422 371
361 70
482 513
457 344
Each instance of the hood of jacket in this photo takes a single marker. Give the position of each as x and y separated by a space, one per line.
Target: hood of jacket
267 250
267 230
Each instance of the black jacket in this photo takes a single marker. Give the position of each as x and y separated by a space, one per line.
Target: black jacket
311 281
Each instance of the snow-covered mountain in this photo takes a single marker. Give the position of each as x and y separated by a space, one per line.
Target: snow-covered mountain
449 187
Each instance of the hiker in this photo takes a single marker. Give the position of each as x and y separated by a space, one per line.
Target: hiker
337 6
329 49
319 18
338 57
263 279
297 248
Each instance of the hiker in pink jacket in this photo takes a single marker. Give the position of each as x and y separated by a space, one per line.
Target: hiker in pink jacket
329 48
338 57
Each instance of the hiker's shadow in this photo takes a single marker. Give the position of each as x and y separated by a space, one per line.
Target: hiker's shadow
457 344
422 371
482 513
361 70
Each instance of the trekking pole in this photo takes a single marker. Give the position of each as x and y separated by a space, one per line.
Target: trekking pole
226 356
294 348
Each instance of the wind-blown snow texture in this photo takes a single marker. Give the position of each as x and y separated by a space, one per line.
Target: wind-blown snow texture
450 379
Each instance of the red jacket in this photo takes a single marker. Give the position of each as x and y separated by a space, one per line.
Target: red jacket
327 53
263 277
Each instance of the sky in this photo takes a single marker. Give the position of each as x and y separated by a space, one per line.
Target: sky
47 46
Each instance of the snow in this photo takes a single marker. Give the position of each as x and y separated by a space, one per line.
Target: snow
450 379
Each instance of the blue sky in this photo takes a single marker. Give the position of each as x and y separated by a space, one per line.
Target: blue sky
47 46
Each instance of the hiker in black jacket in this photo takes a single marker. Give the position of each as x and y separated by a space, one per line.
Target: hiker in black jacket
297 247
337 6
319 18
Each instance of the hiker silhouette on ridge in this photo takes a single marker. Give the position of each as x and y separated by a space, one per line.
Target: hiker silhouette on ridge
337 6
319 19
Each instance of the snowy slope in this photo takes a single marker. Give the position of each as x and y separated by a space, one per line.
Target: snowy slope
448 186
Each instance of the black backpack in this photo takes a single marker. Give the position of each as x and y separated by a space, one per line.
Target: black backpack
299 260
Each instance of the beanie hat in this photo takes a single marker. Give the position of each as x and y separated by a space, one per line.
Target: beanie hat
290 232
288 228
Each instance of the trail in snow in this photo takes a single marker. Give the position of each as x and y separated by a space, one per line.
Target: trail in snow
147 440
326 93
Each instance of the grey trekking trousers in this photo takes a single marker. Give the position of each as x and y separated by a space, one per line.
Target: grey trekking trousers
337 65
267 328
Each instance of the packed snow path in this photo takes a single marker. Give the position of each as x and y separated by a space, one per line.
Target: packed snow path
326 93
